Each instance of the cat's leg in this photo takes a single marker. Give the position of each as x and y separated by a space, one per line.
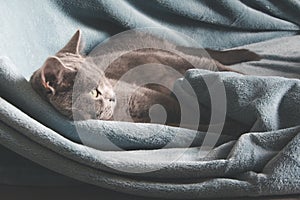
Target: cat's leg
140 106
225 68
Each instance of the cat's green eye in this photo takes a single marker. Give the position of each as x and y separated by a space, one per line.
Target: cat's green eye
95 93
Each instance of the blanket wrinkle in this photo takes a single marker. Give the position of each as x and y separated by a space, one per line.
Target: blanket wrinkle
246 154
258 155
276 9
239 164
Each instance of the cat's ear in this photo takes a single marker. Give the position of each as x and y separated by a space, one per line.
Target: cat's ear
74 46
55 75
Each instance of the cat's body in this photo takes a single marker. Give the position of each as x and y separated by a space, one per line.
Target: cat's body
73 83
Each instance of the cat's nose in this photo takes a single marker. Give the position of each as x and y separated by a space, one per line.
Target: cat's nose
108 94
113 99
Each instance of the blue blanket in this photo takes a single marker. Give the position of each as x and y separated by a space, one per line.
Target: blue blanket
160 161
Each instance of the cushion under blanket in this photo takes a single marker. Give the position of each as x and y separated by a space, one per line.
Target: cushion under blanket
259 158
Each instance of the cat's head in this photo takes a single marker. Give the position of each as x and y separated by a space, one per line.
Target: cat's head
70 82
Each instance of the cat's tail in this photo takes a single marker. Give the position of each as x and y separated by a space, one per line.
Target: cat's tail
228 57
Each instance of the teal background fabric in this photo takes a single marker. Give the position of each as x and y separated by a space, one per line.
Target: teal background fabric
263 161
37 29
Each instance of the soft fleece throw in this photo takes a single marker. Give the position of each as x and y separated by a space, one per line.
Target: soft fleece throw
264 160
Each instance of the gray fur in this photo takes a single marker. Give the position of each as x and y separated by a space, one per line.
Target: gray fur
73 83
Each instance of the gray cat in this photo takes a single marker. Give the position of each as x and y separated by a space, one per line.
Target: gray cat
96 96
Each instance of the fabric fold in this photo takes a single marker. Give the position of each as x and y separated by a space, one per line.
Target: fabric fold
256 154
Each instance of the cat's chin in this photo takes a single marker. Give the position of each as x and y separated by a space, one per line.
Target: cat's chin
108 115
